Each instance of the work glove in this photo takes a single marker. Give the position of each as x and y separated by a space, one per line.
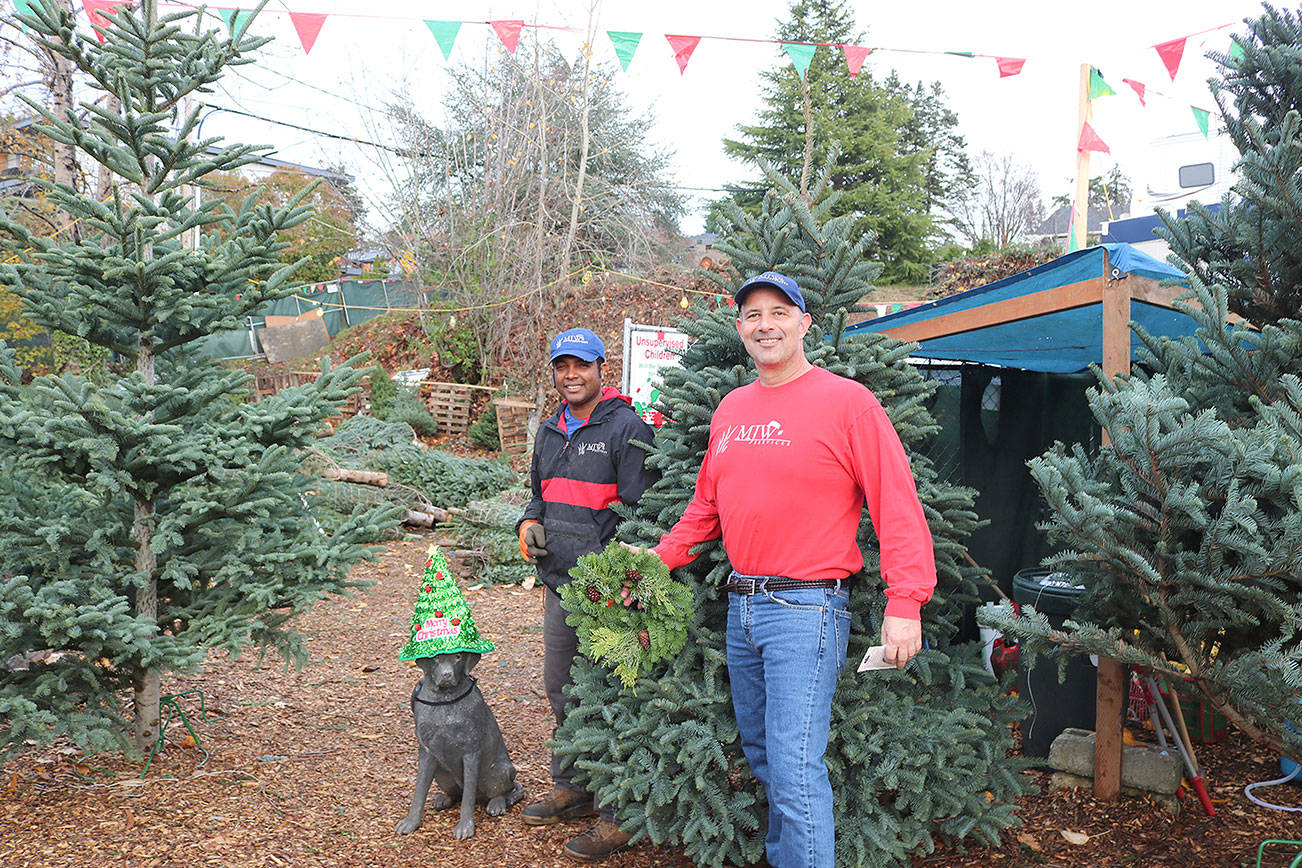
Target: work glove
533 541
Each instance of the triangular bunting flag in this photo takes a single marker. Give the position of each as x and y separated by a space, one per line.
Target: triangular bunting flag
234 18
1171 52
1200 118
625 44
97 9
961 53
683 47
854 58
445 34
1009 65
1099 87
1138 88
508 32
1072 244
801 54
1236 50
1090 141
308 27
23 7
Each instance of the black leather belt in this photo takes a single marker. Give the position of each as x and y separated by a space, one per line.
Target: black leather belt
747 587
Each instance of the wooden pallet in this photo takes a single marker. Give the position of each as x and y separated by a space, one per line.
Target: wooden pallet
449 404
513 424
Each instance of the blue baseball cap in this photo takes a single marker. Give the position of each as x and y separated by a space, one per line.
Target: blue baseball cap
780 282
580 343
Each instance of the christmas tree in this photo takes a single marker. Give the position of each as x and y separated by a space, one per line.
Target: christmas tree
150 518
441 622
913 754
1186 525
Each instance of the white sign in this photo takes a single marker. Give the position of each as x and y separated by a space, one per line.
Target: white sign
648 350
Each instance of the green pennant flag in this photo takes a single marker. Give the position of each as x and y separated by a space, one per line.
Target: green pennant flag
961 53
1200 118
235 18
1099 87
625 44
801 54
24 7
1236 50
1072 244
445 33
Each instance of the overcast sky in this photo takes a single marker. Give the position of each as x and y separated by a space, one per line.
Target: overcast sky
366 51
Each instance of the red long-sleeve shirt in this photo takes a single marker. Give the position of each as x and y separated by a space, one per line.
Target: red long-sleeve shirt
785 478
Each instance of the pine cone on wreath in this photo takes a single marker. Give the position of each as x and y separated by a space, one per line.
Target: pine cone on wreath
633 575
644 639
593 594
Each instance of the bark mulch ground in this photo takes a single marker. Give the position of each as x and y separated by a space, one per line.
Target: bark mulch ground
315 768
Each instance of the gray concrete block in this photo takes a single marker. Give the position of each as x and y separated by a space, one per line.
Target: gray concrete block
1143 767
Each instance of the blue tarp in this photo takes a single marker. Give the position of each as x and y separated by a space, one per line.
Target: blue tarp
1061 342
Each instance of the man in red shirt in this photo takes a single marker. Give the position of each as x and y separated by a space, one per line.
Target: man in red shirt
792 459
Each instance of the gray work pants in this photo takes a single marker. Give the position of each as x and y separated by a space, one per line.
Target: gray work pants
560 647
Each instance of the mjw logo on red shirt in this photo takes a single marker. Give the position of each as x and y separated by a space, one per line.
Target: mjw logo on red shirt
759 434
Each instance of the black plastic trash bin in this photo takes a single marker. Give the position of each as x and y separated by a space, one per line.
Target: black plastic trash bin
1055 705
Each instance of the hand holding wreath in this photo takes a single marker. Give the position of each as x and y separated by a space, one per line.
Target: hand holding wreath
627 611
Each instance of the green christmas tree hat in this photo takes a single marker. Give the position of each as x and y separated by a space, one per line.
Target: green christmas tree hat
441 623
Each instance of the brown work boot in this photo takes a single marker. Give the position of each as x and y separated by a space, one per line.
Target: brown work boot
559 805
602 840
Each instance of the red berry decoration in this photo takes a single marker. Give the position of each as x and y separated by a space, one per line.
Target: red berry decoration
438 577
456 621
593 594
429 564
610 602
438 613
428 589
644 639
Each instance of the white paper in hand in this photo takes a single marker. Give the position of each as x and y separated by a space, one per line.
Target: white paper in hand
873 660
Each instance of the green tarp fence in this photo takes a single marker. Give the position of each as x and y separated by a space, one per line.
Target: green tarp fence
344 303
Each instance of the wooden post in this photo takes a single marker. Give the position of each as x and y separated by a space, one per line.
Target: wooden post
1112 687
1080 215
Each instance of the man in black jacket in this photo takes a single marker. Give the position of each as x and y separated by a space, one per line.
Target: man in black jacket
583 461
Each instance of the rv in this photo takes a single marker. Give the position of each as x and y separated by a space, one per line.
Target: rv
1177 170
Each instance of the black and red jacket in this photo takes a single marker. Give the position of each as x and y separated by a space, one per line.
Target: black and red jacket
575 480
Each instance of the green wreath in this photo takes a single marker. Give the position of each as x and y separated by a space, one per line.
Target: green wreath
627 611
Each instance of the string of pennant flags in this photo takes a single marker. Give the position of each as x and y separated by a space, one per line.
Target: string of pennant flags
308 26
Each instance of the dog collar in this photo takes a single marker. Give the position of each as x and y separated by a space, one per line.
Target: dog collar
469 687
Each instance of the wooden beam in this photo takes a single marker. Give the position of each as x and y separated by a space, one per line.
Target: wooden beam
1060 298
1111 687
1080 216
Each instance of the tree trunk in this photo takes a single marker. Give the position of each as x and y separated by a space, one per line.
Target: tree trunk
58 75
584 141
144 732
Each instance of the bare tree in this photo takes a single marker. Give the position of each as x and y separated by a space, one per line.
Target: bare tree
1003 205
536 168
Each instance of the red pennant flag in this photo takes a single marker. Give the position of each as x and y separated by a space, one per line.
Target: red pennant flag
1090 141
1171 52
508 32
308 27
1009 65
1138 87
683 47
97 9
854 58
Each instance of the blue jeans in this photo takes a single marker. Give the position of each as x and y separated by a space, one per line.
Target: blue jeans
786 650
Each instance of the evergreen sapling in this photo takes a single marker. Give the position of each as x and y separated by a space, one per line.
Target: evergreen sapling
913 755
150 518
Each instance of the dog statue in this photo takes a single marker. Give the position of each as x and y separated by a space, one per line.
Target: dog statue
460 745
